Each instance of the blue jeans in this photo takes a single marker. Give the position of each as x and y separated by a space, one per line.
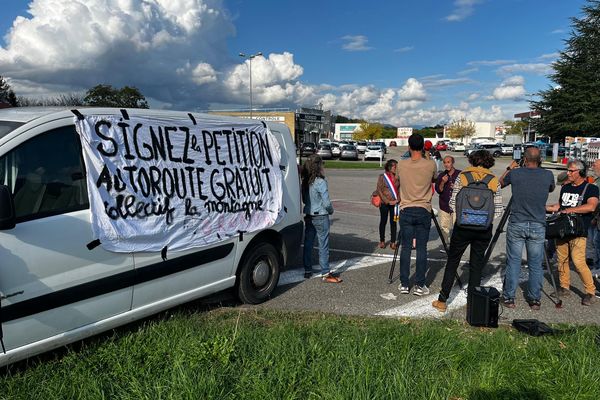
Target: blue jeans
316 226
415 222
531 235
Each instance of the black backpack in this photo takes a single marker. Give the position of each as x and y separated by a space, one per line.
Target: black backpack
475 204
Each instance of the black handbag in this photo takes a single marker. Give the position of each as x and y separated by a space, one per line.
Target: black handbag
561 226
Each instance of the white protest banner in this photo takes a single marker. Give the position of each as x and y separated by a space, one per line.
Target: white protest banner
180 183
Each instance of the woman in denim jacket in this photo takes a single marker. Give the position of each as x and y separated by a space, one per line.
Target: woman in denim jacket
317 209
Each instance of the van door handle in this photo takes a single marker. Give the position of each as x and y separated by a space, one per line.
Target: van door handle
2 296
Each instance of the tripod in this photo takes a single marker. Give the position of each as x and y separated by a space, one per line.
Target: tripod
439 230
499 230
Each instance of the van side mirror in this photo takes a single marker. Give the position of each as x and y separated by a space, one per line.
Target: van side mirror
7 208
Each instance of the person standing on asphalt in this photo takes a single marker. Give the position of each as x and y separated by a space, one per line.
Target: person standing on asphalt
317 209
416 175
526 225
577 197
444 186
595 226
388 188
481 161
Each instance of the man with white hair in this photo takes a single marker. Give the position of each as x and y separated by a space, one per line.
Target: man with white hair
578 197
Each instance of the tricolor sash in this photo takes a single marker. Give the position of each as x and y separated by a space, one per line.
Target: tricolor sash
392 188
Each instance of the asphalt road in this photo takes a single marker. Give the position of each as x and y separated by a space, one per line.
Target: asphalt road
365 268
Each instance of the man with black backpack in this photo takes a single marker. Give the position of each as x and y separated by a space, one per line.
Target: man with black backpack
526 226
476 201
577 197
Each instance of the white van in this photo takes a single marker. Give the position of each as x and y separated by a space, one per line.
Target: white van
58 281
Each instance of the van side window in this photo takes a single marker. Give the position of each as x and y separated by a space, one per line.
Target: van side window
46 175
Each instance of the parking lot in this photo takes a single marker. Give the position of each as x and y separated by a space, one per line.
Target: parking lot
365 268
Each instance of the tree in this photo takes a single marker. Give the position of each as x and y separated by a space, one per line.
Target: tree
368 131
460 128
6 93
515 127
107 96
572 106
62 100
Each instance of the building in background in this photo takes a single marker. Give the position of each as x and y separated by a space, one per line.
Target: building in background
529 135
402 135
345 131
305 124
313 124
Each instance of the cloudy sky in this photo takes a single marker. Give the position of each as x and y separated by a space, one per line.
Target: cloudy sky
405 62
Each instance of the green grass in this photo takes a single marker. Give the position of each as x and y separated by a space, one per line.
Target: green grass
248 354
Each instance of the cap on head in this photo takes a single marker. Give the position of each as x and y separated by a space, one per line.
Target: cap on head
561 178
428 145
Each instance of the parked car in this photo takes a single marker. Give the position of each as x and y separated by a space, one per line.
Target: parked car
507 149
382 145
393 143
74 265
349 152
493 148
335 149
441 146
459 147
324 150
308 149
361 146
374 152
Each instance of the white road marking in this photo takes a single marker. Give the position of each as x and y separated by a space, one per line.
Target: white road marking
422 306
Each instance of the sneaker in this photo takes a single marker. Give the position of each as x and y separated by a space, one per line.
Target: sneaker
421 290
393 245
307 274
404 289
329 278
439 305
509 303
587 300
382 245
534 304
562 292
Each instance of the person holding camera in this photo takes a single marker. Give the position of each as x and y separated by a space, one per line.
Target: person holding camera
444 186
578 197
526 225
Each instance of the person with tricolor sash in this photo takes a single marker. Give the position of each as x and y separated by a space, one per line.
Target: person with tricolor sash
388 188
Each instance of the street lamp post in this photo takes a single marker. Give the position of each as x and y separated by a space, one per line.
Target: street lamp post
250 57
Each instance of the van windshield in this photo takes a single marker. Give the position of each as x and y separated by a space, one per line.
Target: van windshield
8 126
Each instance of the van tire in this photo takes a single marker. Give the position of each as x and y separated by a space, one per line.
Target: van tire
497 154
259 274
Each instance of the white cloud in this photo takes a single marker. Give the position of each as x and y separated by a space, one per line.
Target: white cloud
80 44
462 9
204 73
355 43
404 49
558 31
473 96
531 68
488 63
510 89
549 56
412 90
468 71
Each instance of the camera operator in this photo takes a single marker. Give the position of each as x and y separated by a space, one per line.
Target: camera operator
526 225
582 198
444 186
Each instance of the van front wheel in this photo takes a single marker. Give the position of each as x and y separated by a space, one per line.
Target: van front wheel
259 274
